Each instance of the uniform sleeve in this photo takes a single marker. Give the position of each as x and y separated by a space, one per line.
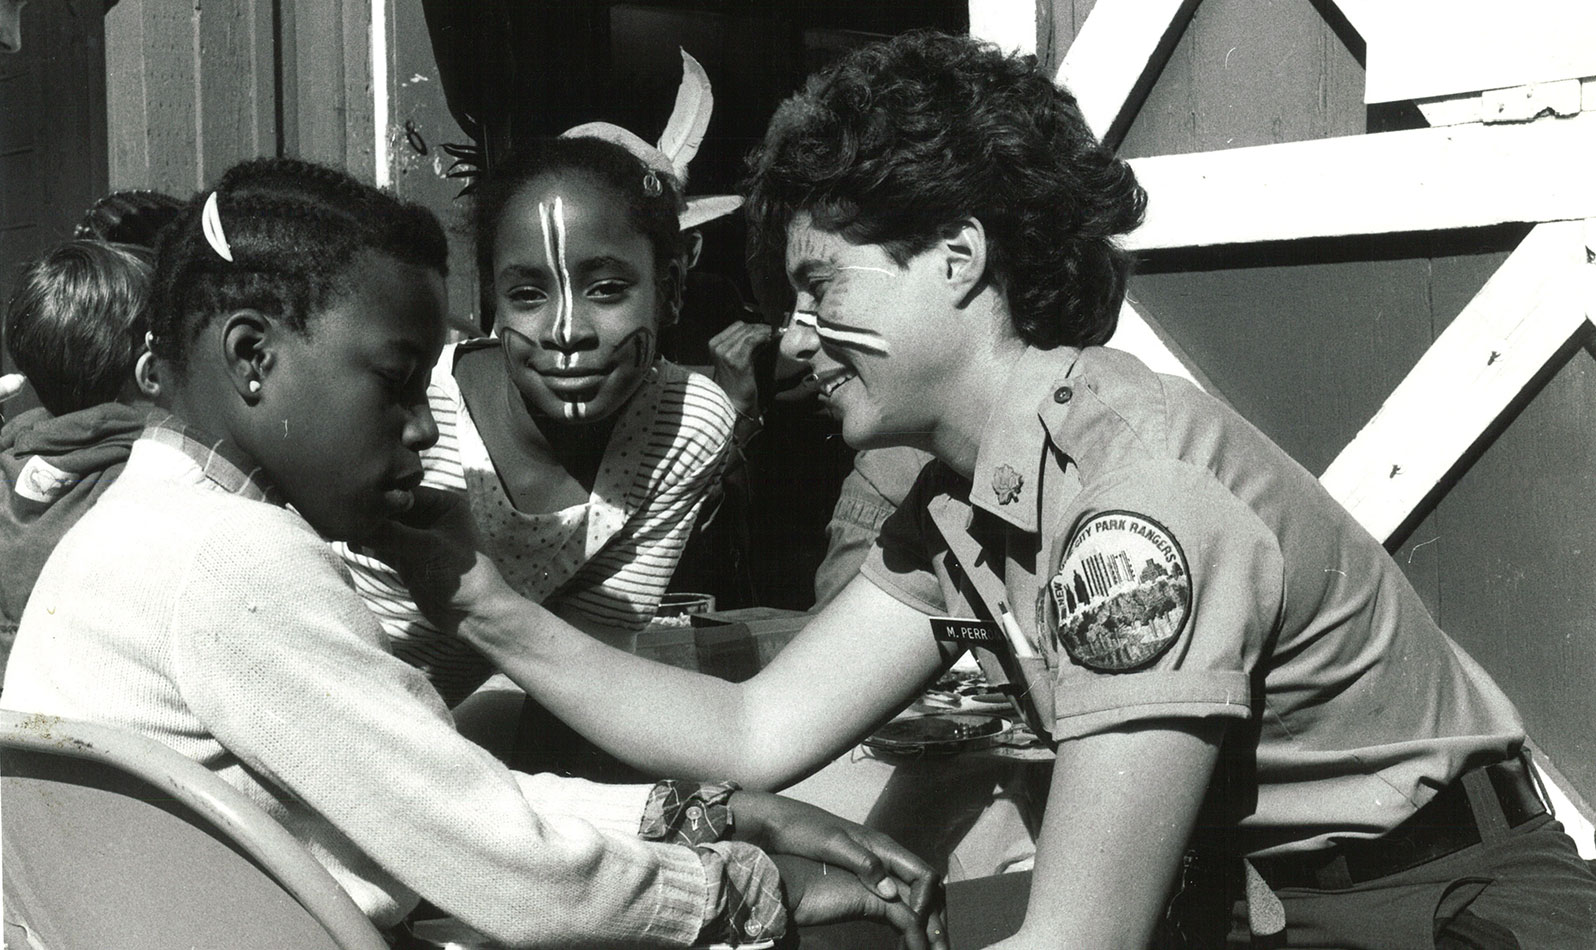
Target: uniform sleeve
855 524
287 668
1159 599
900 561
621 586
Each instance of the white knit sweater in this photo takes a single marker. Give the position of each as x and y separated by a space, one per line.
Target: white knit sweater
224 627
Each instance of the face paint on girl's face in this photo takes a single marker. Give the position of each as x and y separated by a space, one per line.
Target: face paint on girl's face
576 297
551 217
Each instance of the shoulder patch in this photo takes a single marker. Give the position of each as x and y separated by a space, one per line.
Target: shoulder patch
1122 594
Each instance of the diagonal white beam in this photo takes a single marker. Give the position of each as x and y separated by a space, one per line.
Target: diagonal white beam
1525 313
1141 336
1011 24
1419 180
1114 49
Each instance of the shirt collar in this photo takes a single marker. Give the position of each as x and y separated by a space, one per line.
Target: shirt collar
223 463
1009 463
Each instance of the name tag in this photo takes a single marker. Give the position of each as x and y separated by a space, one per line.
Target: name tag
968 630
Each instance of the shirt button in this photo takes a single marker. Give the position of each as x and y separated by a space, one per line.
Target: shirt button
752 928
694 812
1062 394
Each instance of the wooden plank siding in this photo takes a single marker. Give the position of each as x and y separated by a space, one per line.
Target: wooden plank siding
195 87
52 132
1308 339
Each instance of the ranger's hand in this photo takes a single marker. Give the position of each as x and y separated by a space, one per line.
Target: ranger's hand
434 548
733 350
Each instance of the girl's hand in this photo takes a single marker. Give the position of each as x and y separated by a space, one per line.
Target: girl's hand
821 894
733 350
433 546
895 874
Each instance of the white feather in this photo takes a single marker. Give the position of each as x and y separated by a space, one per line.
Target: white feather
690 117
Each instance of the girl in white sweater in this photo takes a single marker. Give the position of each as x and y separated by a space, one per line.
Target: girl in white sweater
299 314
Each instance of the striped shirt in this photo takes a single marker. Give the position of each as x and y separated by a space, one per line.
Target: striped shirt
608 560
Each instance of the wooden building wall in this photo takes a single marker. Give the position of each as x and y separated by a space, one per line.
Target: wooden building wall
1308 338
52 130
195 87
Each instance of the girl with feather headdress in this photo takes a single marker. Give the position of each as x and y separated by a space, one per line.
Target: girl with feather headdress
585 455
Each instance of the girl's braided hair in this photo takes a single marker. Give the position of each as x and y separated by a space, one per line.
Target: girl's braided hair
292 228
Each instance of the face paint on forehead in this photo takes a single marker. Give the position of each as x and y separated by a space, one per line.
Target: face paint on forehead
551 216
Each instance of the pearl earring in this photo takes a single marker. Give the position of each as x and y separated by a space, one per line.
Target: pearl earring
254 386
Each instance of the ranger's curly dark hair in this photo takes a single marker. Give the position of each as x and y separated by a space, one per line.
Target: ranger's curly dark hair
897 140
293 228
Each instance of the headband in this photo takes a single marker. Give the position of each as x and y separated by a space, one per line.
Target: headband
677 144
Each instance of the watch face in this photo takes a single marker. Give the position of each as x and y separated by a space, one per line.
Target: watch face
938 734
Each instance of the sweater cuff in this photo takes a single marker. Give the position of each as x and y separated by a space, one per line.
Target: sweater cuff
613 808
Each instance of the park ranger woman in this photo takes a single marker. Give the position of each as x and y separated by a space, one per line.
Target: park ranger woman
1225 661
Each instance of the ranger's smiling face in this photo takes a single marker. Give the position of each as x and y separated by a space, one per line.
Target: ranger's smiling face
877 361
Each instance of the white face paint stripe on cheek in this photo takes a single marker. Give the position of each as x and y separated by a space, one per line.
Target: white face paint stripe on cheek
873 270
854 339
859 341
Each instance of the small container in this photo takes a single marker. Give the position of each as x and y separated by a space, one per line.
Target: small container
676 609
938 734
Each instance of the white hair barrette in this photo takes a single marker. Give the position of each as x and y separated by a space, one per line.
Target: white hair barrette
211 224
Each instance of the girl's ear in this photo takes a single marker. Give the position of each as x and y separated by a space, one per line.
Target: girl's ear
146 377
962 247
246 351
671 299
695 247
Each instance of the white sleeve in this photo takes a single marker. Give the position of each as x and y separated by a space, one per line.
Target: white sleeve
287 668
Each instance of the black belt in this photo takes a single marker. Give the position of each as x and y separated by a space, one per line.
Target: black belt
1503 796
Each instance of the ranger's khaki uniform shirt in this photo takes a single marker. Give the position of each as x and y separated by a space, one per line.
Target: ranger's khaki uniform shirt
1169 561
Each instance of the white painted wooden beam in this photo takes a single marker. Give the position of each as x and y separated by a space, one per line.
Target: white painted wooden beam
1479 364
1519 104
1417 49
1141 336
1419 180
1570 807
1011 24
1112 52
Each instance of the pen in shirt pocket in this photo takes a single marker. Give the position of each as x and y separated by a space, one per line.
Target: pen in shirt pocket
1011 629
